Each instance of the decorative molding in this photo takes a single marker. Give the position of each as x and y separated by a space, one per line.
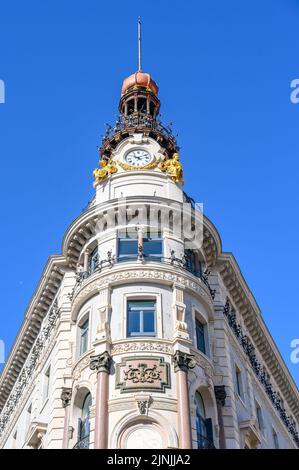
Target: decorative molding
259 370
220 394
127 167
183 361
82 364
101 362
146 373
125 275
137 346
66 396
27 372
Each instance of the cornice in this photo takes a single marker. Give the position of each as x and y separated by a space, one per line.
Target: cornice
38 307
247 306
83 228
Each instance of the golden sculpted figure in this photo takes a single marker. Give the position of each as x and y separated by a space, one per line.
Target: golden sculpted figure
102 173
173 168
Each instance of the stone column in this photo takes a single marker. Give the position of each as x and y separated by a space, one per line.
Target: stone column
220 395
66 396
85 261
182 363
101 363
140 243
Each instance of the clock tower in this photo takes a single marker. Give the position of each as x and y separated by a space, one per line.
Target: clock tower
138 155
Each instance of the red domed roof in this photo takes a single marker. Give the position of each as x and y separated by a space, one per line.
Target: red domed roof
140 79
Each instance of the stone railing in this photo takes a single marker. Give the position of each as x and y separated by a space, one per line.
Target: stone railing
27 371
259 370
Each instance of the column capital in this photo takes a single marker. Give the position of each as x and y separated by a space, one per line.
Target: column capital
66 396
220 394
183 361
101 362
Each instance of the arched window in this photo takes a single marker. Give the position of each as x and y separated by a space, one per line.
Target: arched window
84 424
203 425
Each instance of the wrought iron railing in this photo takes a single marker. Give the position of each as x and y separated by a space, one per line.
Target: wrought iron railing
204 443
138 120
111 260
259 370
82 443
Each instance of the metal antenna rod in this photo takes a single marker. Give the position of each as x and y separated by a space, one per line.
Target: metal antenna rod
139 44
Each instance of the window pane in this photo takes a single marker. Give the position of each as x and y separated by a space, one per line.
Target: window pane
152 247
84 337
133 322
141 304
200 337
148 321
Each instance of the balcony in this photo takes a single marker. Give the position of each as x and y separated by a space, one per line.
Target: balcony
82 444
99 265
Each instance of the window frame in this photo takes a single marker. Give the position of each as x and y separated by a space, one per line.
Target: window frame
259 417
239 382
141 333
202 328
85 319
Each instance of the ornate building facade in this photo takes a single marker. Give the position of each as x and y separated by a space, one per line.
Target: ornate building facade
143 333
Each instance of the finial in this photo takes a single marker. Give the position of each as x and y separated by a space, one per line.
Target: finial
139 44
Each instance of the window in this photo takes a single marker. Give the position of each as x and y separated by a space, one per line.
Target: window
259 417
28 417
46 384
200 336
275 439
141 317
93 261
192 263
84 424
84 330
128 246
204 430
239 387
14 440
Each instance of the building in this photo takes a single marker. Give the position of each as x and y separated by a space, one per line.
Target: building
143 333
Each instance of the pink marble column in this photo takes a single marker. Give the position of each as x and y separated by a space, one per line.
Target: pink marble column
101 364
66 396
182 363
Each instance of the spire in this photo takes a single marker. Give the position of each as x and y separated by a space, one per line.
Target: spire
139 44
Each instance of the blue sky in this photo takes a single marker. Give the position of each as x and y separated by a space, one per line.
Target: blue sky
224 71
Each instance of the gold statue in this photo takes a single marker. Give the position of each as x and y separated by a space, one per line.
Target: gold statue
102 173
174 168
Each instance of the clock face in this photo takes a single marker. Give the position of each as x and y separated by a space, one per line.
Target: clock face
138 158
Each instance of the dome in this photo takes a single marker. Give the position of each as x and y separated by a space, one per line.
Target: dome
140 79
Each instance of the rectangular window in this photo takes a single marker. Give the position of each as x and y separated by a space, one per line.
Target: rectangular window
84 330
275 439
128 246
46 384
141 317
200 336
239 381
259 417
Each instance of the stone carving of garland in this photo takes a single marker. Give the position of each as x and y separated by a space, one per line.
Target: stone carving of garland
259 370
28 369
